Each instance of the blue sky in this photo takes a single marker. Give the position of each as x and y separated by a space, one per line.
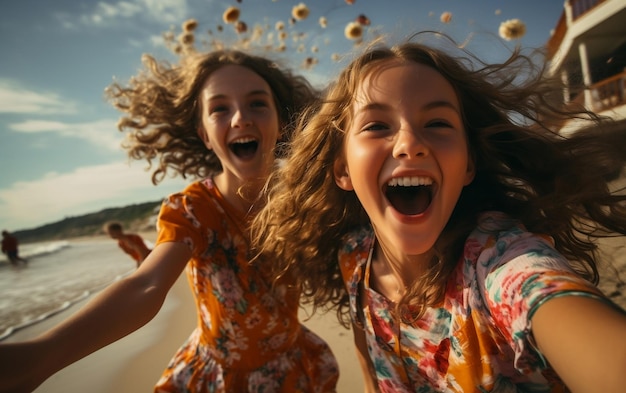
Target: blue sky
59 145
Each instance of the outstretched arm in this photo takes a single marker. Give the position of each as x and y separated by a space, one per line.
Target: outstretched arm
584 340
117 311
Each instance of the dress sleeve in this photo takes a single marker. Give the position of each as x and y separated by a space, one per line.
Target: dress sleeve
521 271
178 221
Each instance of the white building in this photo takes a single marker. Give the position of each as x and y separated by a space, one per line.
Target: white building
588 50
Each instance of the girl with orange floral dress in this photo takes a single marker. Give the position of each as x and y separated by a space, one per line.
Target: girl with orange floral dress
431 202
217 117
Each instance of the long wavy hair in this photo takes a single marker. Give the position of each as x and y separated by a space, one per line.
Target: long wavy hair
554 184
161 109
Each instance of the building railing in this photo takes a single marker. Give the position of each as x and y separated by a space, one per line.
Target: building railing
604 95
580 7
609 93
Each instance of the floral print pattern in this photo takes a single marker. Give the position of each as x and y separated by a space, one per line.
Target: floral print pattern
479 339
248 337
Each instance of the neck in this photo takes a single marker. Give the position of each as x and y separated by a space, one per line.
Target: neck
392 272
240 194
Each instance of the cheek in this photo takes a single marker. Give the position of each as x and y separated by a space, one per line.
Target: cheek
364 164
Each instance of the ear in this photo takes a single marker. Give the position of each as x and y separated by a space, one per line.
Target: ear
470 173
342 175
205 137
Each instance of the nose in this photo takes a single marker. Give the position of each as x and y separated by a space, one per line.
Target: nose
409 144
240 119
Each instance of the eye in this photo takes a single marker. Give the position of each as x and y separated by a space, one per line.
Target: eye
259 104
439 123
218 109
375 127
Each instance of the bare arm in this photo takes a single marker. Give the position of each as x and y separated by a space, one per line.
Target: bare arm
369 373
119 310
585 342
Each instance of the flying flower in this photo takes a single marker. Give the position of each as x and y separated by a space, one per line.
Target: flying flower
186 38
364 20
280 25
498 12
300 11
323 22
309 62
231 15
512 29
353 31
446 17
241 27
335 57
190 25
350 2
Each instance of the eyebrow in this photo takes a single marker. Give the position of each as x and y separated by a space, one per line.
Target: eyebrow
441 103
431 105
249 94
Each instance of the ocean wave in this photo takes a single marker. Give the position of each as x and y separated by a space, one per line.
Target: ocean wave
67 304
64 306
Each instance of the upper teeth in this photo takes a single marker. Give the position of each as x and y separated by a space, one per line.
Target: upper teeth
244 140
410 181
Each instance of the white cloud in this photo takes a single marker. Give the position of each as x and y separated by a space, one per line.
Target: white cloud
162 11
17 99
101 133
85 190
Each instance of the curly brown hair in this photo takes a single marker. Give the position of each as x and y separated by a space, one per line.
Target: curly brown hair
554 184
161 109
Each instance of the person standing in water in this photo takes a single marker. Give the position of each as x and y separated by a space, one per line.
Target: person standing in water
10 247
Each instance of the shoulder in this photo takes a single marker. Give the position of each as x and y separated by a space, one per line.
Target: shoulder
190 211
199 194
499 238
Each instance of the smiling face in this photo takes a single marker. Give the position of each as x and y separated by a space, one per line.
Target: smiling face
239 122
405 155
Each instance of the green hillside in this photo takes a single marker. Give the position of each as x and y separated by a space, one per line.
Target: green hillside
133 217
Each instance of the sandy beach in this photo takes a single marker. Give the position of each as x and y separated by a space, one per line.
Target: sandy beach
134 363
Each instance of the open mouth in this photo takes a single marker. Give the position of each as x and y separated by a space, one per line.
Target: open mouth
410 195
244 148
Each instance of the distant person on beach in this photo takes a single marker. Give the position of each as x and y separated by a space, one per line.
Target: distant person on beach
10 247
217 117
130 243
430 201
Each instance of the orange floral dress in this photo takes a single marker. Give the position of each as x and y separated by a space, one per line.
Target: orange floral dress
248 337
